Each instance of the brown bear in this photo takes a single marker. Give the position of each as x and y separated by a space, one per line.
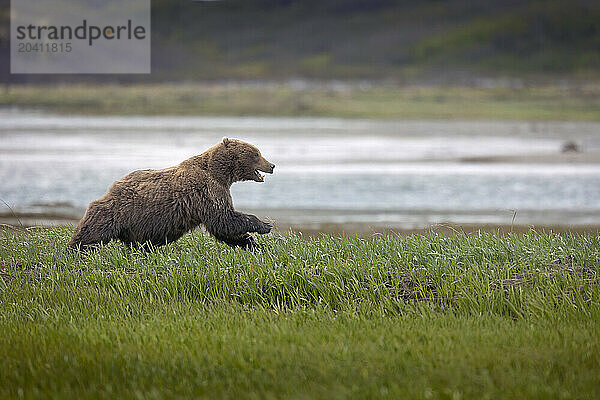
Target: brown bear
159 206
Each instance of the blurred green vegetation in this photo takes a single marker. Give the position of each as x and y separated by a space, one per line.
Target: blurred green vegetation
433 40
544 37
351 101
354 39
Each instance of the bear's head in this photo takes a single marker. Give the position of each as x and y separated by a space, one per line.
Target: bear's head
237 161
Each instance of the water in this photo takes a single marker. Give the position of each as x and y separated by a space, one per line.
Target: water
406 174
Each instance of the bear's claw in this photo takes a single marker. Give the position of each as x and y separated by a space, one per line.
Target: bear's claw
266 228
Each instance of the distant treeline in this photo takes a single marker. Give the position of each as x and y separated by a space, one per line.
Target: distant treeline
362 39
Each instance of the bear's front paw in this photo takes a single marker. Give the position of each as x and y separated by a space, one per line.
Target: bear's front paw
259 226
264 228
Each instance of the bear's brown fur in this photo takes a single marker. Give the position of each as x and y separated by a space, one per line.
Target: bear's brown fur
159 206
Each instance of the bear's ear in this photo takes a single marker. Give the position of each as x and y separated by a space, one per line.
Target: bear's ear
226 141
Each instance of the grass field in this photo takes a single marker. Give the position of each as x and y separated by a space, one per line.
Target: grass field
346 101
465 316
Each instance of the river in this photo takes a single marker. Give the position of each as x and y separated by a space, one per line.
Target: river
394 174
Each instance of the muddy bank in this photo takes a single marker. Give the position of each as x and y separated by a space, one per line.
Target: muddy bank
554 158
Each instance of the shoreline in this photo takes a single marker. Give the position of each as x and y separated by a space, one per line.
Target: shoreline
23 221
592 157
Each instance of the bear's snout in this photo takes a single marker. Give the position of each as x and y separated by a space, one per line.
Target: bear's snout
266 166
